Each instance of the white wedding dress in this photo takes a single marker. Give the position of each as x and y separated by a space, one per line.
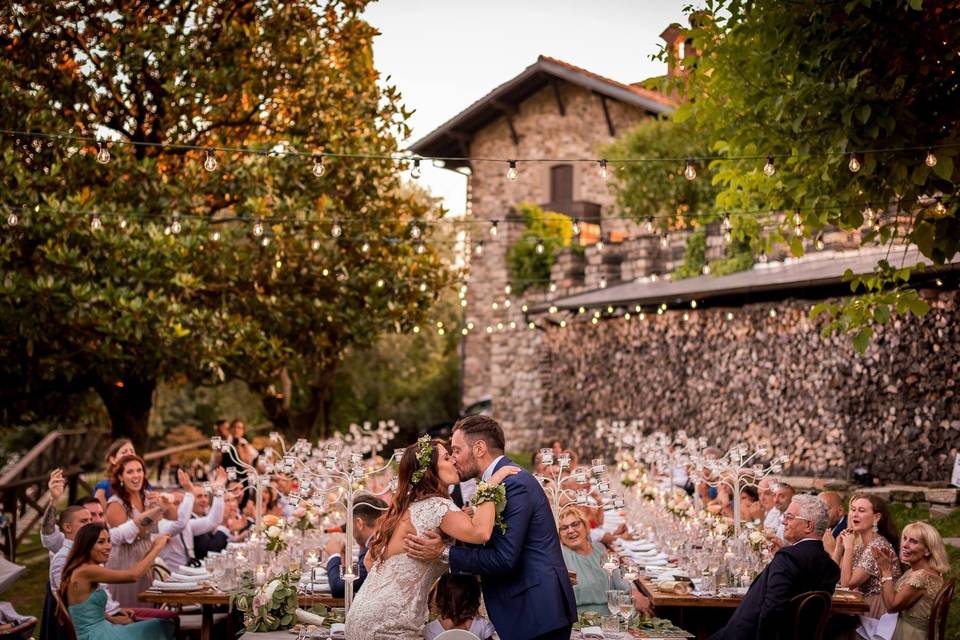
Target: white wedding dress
392 603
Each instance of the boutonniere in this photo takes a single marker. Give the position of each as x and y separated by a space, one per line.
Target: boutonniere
497 494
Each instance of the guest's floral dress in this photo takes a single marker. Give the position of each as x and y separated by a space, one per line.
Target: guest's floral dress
864 557
912 624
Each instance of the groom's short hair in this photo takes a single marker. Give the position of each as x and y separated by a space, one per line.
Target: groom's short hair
482 428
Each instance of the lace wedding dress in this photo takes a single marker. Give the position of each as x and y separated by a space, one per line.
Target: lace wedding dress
393 601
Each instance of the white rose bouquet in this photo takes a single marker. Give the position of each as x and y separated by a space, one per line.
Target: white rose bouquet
273 529
270 606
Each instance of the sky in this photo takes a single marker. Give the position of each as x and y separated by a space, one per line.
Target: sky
445 54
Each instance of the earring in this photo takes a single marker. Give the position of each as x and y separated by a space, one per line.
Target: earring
121 484
875 527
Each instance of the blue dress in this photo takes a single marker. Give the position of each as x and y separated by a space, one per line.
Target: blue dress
90 623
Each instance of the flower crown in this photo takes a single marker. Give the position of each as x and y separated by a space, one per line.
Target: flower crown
424 453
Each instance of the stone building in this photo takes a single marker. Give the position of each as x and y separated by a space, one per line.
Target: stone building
734 358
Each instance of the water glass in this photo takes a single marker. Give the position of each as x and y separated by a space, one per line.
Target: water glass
610 625
613 601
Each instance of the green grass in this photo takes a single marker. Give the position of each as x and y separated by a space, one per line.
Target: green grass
27 593
948 527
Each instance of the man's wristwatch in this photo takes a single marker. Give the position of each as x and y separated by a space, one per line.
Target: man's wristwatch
445 555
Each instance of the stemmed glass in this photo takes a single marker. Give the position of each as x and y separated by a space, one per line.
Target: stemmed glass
611 563
626 608
613 601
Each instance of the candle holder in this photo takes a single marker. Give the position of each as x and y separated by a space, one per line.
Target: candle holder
555 490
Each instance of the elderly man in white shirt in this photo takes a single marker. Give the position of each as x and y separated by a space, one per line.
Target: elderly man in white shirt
182 524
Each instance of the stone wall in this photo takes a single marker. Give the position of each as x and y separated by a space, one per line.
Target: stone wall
762 379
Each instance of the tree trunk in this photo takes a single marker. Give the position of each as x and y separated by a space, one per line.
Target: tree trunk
129 408
307 416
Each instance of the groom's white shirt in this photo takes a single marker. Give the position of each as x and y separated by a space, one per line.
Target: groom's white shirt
489 471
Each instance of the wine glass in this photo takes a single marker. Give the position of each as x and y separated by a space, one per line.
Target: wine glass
613 600
626 608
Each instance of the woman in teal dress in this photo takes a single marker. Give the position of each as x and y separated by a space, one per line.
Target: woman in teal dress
85 601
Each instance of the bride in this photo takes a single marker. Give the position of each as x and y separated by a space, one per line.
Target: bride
393 600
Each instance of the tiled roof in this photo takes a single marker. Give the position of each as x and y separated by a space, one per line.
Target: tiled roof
640 91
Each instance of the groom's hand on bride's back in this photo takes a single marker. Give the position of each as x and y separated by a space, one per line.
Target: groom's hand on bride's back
426 547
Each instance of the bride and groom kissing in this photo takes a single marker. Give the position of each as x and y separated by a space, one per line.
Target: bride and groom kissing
423 534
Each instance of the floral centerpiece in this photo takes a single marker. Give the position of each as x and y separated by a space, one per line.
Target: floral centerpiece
273 530
305 517
270 606
497 494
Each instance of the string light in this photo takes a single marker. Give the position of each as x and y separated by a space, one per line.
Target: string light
265 241
421 248
210 162
123 223
854 163
603 170
939 209
507 289
763 257
773 313
494 229
415 231
175 226
103 154
769 168
599 245
819 243
416 172
648 224
365 247
690 172
727 237
258 227
727 225
869 215
478 250
603 283
706 270
96 223
664 240
336 230
576 227
930 160
512 173
12 219
315 244
319 168
539 248
215 236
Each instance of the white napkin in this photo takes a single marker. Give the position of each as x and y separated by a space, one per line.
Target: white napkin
591 632
193 571
309 618
195 577
337 630
174 586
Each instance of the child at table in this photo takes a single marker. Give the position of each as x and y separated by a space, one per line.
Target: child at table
456 602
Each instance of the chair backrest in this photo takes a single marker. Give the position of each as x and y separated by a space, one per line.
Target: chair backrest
159 572
457 634
810 613
63 616
937 627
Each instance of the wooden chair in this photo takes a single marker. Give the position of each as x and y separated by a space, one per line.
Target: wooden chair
66 624
810 613
937 627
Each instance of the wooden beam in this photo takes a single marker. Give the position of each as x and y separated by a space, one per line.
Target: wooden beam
508 110
463 141
606 114
558 97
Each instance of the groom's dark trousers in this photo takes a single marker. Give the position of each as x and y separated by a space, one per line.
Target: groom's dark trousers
525 583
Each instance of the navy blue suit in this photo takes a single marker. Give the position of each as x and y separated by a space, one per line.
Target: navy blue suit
336 582
764 612
840 526
524 578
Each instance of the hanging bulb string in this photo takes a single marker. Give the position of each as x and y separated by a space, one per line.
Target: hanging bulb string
407 156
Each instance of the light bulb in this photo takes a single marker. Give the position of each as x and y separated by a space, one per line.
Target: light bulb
421 248
603 170
930 160
380 283
478 250
318 168
648 224
507 289
763 257
576 227
315 244
769 169
512 173
123 223
175 226
415 231
336 230
939 209
773 313
664 240
819 244
553 288
215 236
423 286
727 226
13 219
706 269
210 162
693 304
727 237
599 245
690 172
493 229
540 248
603 283
416 172
103 154
96 223
797 219
729 315
869 216
265 241
365 247
416 329
798 231
854 163
258 227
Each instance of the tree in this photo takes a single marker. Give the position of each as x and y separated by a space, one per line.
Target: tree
810 83
119 308
545 234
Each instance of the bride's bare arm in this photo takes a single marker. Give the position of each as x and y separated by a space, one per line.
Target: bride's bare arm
478 528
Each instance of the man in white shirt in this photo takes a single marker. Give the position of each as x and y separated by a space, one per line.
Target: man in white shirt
182 524
771 518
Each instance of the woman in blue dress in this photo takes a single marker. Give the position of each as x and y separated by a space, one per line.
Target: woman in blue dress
85 601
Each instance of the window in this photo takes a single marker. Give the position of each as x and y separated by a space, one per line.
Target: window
561 183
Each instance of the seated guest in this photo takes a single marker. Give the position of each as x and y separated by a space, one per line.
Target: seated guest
912 596
768 502
118 449
86 602
837 517
366 510
800 566
783 494
750 509
870 533
585 558
182 524
455 600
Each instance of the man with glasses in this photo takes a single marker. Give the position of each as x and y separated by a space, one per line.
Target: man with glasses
800 566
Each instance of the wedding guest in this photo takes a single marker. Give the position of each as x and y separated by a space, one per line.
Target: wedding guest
750 509
455 600
913 594
131 502
704 490
86 602
117 450
783 494
768 502
585 558
222 429
366 511
837 516
182 525
246 453
870 533
93 506
800 566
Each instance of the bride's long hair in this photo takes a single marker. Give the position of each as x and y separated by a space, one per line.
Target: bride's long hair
407 493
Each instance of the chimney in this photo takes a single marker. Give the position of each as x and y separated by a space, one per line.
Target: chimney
673 39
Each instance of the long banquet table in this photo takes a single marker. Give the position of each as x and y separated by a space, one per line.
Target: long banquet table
210 599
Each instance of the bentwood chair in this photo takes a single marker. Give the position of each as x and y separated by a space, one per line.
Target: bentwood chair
937 629
810 613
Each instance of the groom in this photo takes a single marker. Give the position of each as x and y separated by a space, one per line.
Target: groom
525 582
